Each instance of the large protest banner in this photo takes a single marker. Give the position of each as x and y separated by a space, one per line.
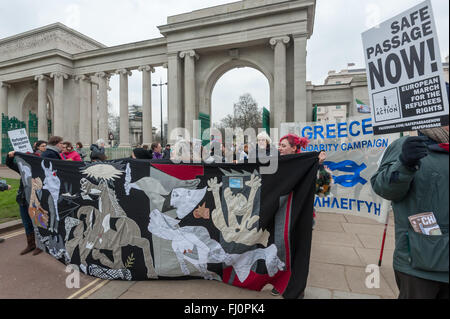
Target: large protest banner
353 154
406 80
137 220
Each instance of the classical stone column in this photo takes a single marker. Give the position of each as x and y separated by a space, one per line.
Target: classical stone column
175 113
85 116
3 104
189 88
103 105
94 112
147 71
42 107
300 103
4 98
279 45
124 119
58 101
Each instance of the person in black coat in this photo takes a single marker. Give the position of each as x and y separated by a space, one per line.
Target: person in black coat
140 153
54 148
98 151
23 206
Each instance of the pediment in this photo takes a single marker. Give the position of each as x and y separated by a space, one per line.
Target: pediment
53 37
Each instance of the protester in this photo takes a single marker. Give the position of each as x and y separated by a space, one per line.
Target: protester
98 151
243 155
68 152
141 153
182 151
217 153
156 149
289 145
4 186
54 148
413 174
166 152
23 207
39 147
80 151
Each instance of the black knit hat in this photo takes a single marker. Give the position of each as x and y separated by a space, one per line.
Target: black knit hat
140 153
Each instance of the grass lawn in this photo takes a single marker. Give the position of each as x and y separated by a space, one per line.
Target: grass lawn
9 209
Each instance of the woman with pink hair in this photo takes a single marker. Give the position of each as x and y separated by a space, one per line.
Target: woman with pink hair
292 144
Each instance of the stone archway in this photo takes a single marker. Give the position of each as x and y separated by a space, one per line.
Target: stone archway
30 103
223 68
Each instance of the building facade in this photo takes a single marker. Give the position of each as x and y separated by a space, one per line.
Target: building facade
62 76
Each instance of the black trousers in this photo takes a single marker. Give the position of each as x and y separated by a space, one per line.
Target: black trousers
417 288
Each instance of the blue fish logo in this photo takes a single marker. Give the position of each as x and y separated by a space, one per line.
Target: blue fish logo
347 167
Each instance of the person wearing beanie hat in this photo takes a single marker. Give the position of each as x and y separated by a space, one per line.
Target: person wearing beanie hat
140 153
413 174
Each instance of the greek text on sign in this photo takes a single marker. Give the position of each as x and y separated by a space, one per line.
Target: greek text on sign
406 79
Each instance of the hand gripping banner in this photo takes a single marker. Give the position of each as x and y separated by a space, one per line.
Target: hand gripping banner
138 220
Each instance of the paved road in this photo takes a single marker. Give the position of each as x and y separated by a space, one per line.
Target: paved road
5 172
31 277
342 248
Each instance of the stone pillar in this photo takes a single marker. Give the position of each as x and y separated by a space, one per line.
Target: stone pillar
103 105
189 89
124 119
4 98
58 100
300 101
3 104
85 128
147 137
42 107
94 112
279 45
175 114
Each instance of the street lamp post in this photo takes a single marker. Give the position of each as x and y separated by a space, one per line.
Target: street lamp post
160 99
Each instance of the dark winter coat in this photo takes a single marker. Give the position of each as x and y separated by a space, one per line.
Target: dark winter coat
51 152
413 192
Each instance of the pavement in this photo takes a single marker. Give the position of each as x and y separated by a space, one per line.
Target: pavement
6 172
342 247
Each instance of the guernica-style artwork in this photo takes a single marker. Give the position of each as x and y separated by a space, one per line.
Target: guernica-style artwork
145 220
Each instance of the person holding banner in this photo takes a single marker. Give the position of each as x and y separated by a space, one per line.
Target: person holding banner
68 153
54 148
4 187
289 145
23 207
39 147
414 174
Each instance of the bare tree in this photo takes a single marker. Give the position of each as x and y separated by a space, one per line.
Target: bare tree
246 115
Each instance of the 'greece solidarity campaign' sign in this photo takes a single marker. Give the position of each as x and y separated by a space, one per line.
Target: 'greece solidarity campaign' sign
353 153
404 70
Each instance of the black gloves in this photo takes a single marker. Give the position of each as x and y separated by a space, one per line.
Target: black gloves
413 150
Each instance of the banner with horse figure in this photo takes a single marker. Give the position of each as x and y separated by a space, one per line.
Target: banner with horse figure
141 220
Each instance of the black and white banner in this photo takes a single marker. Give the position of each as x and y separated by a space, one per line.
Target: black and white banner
405 76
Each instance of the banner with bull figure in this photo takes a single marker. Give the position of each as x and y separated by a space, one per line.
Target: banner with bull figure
138 220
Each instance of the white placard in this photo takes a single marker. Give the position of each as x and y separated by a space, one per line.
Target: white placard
19 140
404 70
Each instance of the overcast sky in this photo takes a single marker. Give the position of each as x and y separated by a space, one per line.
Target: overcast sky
336 40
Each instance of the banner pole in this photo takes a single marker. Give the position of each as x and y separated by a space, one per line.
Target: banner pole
384 240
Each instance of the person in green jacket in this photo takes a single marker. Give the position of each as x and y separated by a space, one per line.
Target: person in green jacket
413 174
